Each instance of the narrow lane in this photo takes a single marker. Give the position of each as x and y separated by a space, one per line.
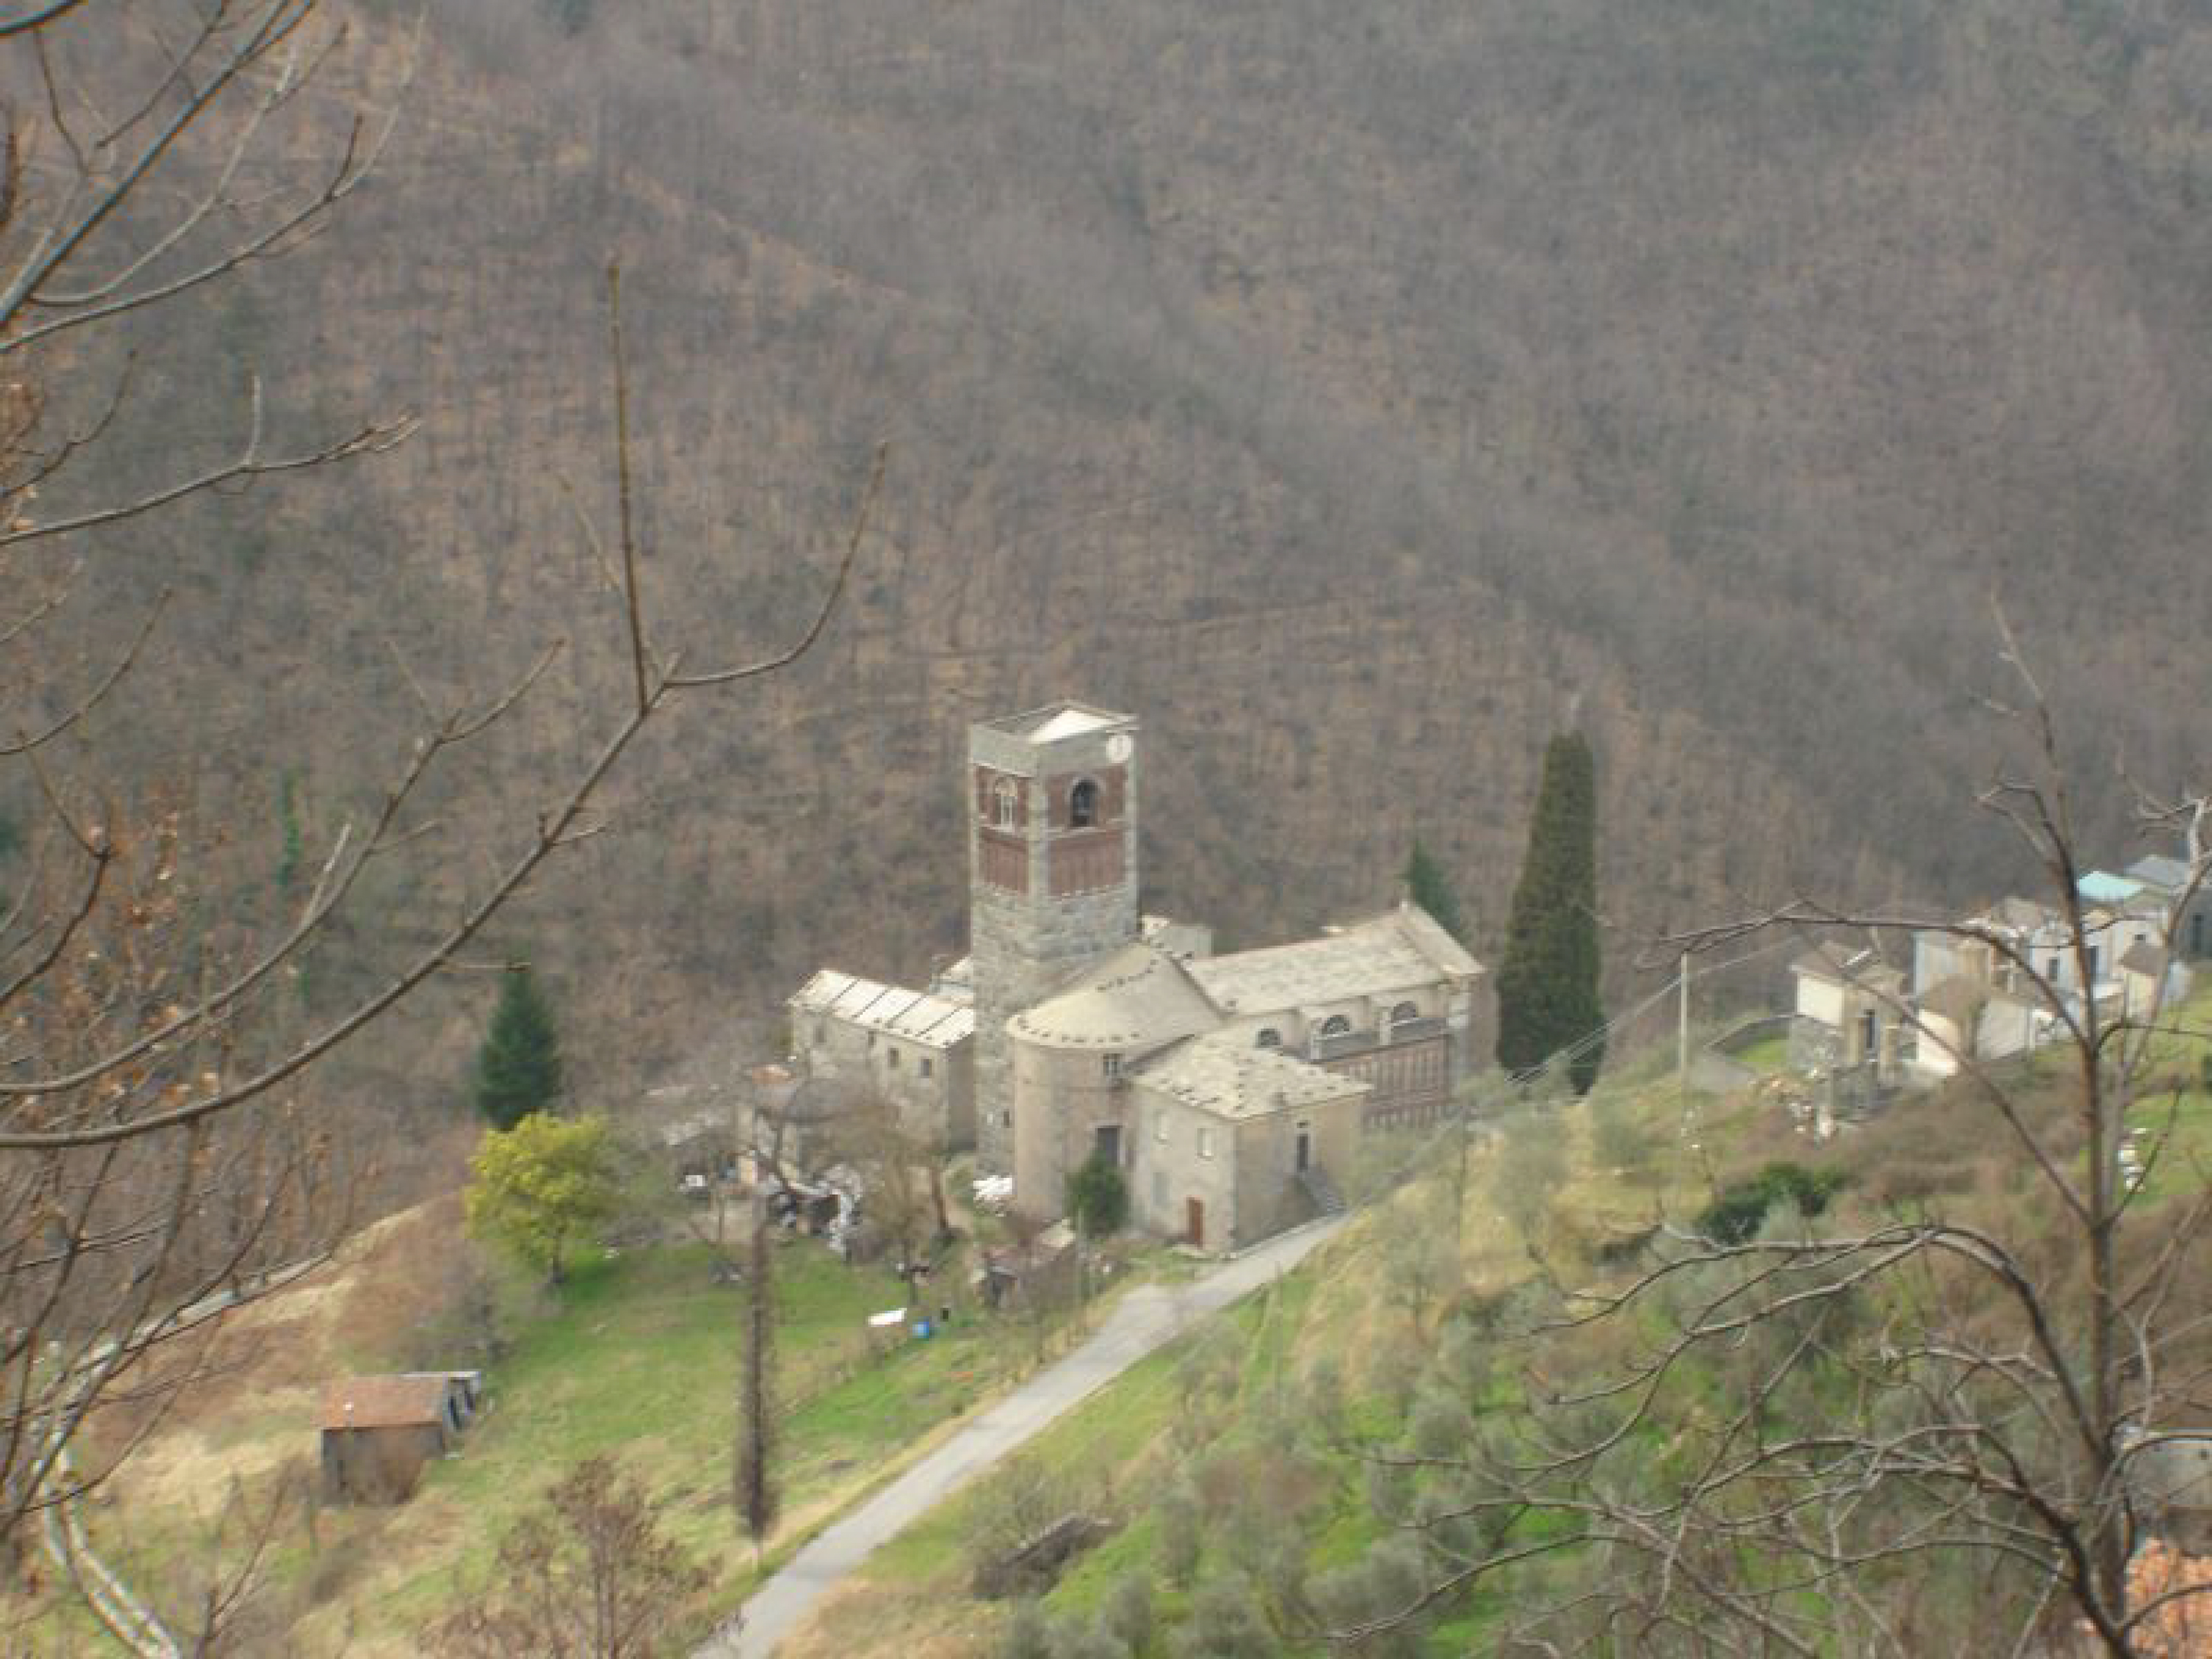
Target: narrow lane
1144 1320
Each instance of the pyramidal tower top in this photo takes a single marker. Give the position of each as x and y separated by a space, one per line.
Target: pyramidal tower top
1052 868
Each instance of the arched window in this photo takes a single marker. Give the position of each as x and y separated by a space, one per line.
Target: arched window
1269 1037
1082 804
1005 802
1335 1025
1403 1013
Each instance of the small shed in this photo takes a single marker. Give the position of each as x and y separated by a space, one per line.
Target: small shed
377 1431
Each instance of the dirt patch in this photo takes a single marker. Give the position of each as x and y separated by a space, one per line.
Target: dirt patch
188 1464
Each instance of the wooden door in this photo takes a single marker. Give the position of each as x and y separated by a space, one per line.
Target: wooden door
1194 1223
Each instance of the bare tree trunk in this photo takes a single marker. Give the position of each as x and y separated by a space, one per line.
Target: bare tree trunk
756 1486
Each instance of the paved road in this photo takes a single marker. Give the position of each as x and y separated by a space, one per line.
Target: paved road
1141 1321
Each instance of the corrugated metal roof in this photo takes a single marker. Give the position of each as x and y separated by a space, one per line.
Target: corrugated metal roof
1398 950
1057 721
385 1402
2103 887
914 1015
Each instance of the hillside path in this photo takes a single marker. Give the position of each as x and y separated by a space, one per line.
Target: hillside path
1147 1317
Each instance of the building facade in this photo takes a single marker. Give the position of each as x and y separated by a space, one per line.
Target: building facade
1232 1092
915 1050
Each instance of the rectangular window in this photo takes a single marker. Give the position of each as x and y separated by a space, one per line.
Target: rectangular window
1206 1143
1111 1064
891 1059
929 1065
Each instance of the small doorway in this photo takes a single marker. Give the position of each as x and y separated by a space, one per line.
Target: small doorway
1305 1148
1193 1211
1106 1144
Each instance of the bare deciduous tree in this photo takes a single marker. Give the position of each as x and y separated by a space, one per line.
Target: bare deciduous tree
1892 1430
589 1576
162 1158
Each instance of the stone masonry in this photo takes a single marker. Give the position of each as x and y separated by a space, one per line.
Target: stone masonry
1051 812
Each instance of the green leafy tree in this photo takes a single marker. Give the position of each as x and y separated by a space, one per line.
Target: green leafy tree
1098 1197
519 1067
537 1186
1547 984
1428 886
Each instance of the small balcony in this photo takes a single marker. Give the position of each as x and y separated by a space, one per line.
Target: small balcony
1343 1044
1352 1042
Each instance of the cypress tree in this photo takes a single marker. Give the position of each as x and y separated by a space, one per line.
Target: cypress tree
754 1468
1547 985
1428 886
519 1067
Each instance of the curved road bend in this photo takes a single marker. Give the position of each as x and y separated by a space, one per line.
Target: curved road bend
1142 1321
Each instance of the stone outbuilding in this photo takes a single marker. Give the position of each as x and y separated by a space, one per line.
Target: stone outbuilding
378 1431
913 1050
1233 1143
1850 1012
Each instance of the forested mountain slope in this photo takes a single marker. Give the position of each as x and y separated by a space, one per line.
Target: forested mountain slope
1353 391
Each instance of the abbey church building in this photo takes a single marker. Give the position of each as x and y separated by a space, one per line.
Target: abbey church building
1233 1090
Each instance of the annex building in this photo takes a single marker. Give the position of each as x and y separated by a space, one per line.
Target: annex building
1233 1091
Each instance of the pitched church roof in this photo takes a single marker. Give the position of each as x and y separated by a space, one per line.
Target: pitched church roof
1397 951
1222 1073
1058 720
1138 996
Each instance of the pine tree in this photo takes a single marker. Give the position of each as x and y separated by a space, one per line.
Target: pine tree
519 1067
1547 985
1428 886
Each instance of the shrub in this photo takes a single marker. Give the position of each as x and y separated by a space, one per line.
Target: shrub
1182 1532
1128 1611
1098 1197
1225 1623
1028 1634
1739 1211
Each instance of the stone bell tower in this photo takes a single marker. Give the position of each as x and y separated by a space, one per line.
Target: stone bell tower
1051 873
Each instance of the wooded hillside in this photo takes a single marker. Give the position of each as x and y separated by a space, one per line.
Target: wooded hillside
1352 391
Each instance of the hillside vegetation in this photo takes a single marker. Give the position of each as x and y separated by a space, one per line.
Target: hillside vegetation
636 1356
1354 391
1296 1468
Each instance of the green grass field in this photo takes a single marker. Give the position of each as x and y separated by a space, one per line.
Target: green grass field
636 1356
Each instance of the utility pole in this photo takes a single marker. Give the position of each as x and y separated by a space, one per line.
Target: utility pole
1682 1025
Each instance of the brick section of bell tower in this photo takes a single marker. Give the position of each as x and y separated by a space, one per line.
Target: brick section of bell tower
1052 870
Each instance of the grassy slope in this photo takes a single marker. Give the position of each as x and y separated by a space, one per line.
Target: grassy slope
1132 1437
914 1594
636 1356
